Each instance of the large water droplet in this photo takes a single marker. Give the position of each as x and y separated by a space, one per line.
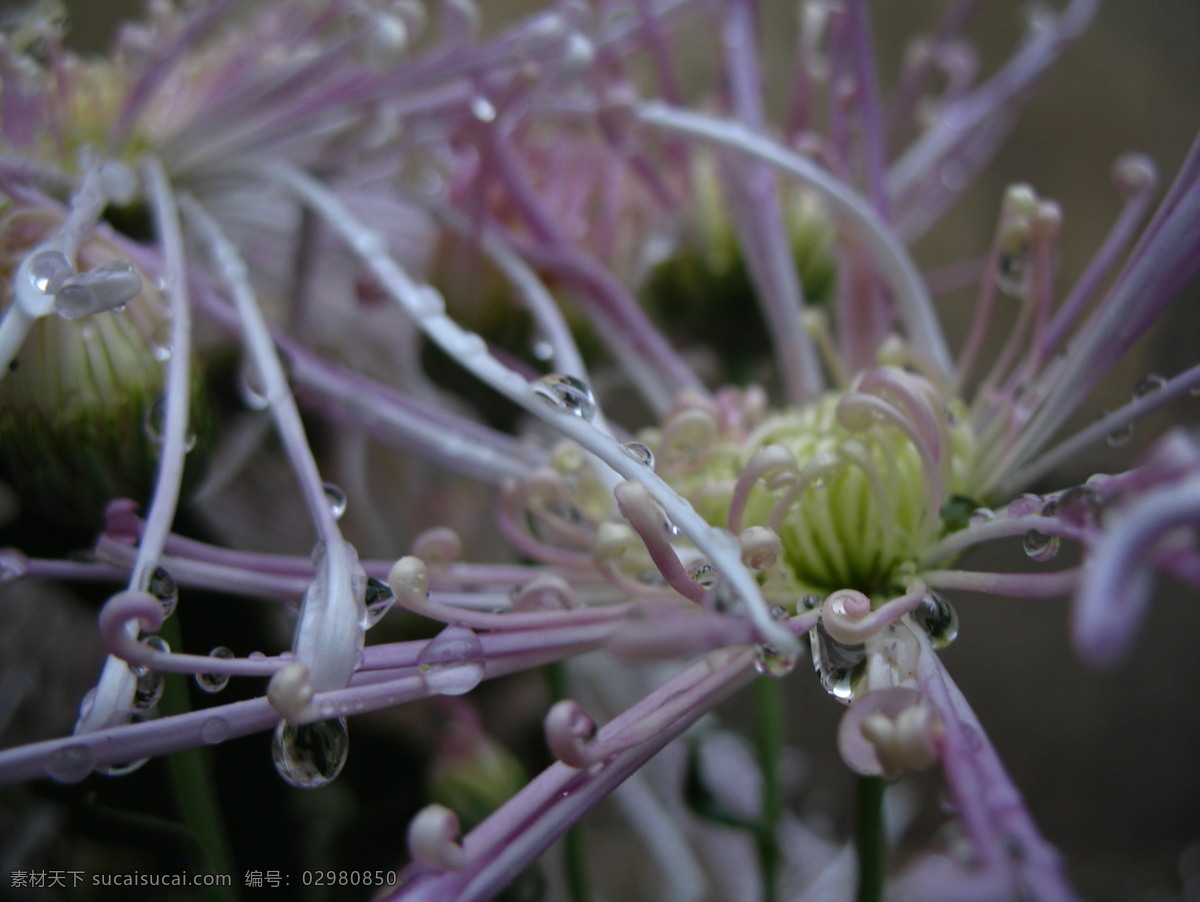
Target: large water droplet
336 499
568 393
70 764
214 730
640 453
452 662
1039 546
310 755
938 618
1151 382
769 661
215 682
163 587
378 600
839 666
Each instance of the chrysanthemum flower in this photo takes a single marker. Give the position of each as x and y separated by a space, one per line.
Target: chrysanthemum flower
361 212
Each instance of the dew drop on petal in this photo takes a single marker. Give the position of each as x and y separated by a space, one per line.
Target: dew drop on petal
1010 272
981 515
1025 506
148 690
639 452
70 764
768 661
704 574
160 341
48 269
214 730
1119 437
155 424
336 499
938 618
378 600
452 662
310 755
163 587
215 682
567 393
483 109
251 387
1149 383
1039 546
839 666
124 768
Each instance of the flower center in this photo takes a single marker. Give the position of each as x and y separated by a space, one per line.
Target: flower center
854 485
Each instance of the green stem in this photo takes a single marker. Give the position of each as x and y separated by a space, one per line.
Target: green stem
769 737
195 791
871 842
574 853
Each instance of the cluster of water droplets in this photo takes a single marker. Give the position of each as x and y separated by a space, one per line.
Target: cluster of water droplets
109 286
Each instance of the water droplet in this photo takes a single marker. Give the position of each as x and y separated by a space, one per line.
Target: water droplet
640 453
1039 546
452 662
1025 506
336 499
163 587
156 422
310 755
148 690
568 393
70 764
810 602
1149 383
160 341
704 574
1079 506
938 618
378 600
251 387
214 730
215 682
839 666
543 350
1010 271
121 770
981 515
770 662
48 269
483 109
1119 437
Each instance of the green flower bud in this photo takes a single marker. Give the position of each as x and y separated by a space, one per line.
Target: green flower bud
80 409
